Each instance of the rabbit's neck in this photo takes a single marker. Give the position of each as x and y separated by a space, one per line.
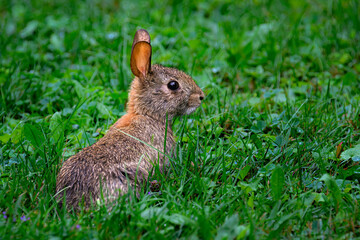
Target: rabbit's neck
131 119
148 114
142 104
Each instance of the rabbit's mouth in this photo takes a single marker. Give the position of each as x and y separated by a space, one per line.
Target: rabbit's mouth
190 110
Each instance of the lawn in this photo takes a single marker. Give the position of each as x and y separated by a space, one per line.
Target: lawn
272 153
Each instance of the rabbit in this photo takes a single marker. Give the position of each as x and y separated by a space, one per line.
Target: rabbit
126 154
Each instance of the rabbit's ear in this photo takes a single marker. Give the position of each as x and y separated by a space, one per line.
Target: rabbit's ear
140 61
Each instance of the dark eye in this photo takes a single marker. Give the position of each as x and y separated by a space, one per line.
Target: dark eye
173 85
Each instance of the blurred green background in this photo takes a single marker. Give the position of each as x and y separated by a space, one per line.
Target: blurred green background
47 44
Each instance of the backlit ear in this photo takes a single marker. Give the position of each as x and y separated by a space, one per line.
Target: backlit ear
140 61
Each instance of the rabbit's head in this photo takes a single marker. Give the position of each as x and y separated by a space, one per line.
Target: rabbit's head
158 91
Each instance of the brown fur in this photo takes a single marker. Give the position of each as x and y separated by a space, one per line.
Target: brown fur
124 121
121 159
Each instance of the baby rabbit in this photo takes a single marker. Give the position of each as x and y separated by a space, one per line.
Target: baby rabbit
126 154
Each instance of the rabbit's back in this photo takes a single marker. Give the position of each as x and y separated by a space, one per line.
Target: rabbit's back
127 152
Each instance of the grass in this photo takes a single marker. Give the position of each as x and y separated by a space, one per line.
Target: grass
272 153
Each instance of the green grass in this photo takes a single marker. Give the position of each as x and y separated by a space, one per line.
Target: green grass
272 153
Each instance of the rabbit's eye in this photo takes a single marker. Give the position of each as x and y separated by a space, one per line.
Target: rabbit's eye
173 85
